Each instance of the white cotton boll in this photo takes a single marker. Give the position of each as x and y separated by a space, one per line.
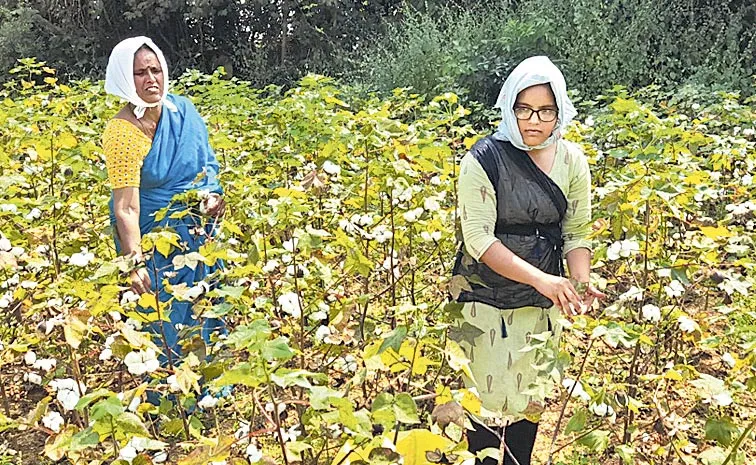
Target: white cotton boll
134 404
291 245
242 431
253 454
601 410
270 266
26 284
322 332
141 362
30 357
106 355
207 402
289 303
128 454
746 180
431 204
578 391
729 360
68 398
33 378
34 214
687 325
651 313
674 289
270 406
413 215
45 364
634 293
382 234
82 258
6 300
173 385
8 208
53 420
129 297
5 244
722 399
160 457
331 168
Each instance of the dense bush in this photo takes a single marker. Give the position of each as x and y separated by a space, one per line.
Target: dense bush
470 50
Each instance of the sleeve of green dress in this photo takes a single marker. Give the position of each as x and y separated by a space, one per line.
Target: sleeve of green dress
476 200
576 226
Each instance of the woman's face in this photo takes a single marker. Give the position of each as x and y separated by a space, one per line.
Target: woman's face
534 130
148 76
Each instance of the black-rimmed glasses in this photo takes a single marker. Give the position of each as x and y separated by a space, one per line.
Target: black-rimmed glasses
546 115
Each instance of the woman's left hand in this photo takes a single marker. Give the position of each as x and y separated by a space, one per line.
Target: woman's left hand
213 205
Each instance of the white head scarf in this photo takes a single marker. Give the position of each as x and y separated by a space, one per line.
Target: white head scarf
119 76
532 71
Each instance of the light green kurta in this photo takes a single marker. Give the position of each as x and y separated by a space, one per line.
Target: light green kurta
502 372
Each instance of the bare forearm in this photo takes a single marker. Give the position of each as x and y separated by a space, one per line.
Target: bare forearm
128 232
504 262
579 264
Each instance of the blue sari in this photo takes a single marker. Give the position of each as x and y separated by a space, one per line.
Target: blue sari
180 152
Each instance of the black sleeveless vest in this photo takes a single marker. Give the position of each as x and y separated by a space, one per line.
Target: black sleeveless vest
530 208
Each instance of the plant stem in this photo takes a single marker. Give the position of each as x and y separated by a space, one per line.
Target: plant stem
566 401
739 442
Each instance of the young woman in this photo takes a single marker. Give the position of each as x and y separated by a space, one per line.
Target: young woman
525 204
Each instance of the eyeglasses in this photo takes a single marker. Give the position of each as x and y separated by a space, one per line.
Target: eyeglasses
546 115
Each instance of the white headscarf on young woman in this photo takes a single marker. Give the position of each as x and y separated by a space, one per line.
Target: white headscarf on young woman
532 71
119 76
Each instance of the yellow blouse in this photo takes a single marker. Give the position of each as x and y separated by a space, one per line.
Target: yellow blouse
125 147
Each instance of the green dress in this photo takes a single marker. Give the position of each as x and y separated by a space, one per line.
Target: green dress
502 372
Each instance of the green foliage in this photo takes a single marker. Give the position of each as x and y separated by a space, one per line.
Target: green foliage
646 42
465 49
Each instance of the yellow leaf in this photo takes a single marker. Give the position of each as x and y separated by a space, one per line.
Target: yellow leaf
66 140
470 401
231 227
51 80
720 232
443 394
336 101
283 192
415 443
187 379
76 328
147 300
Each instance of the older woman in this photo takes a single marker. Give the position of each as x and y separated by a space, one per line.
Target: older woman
524 198
155 147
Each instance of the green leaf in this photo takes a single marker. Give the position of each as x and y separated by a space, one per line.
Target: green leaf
597 441
394 339
382 401
406 409
84 439
466 332
111 407
577 422
722 430
277 349
128 423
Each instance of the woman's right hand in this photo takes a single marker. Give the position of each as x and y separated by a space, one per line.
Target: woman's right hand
561 292
140 281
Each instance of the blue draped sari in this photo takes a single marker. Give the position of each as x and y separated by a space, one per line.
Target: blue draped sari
180 151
